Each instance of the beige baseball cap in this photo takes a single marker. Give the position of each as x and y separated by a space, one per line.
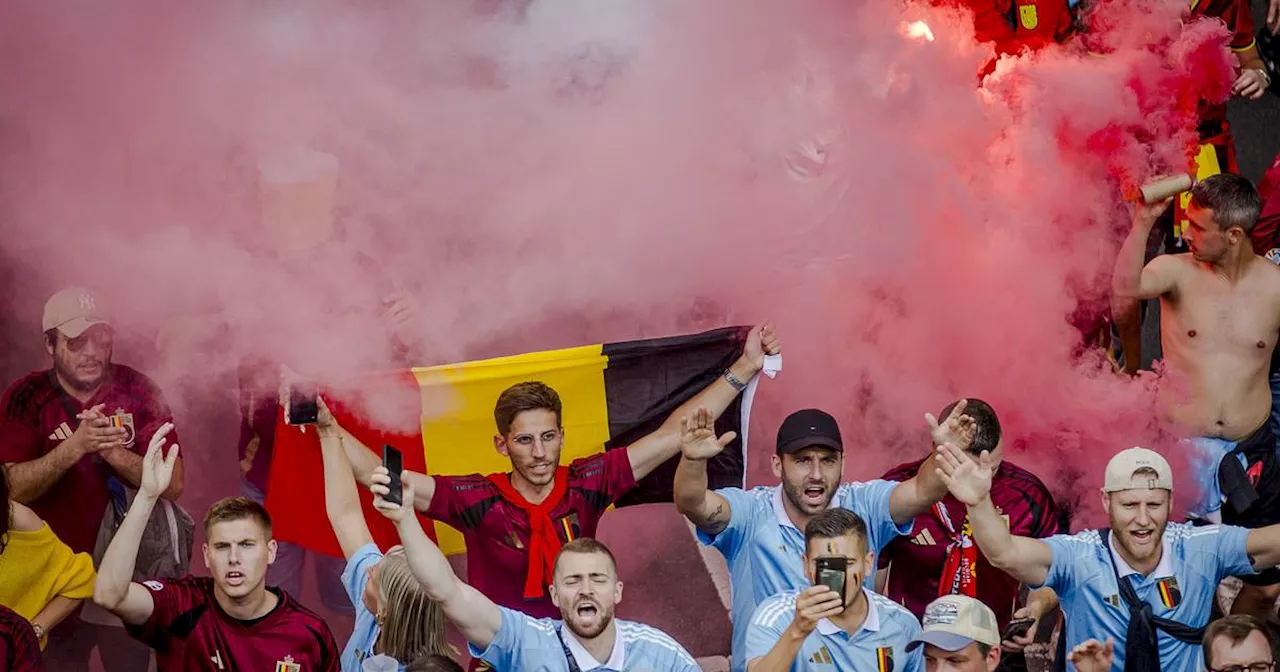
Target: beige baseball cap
1121 467
72 311
952 622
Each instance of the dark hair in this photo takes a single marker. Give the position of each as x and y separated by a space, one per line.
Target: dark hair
237 508
6 510
521 397
433 663
586 545
1236 629
1232 198
833 523
51 337
986 430
983 649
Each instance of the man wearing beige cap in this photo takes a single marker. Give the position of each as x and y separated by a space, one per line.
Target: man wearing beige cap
959 635
1144 583
70 435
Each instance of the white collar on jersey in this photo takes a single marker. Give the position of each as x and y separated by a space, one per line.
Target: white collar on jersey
1162 570
781 511
871 624
588 662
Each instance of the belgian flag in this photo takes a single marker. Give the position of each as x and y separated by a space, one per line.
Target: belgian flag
612 395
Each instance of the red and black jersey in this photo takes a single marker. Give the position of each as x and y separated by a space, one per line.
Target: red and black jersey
189 631
38 415
918 557
1239 19
497 532
19 649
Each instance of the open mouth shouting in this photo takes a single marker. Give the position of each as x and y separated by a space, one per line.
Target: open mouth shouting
587 610
234 578
1142 537
814 494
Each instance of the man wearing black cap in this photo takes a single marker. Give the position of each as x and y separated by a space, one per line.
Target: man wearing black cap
759 530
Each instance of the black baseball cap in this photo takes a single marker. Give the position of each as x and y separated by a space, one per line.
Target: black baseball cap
809 428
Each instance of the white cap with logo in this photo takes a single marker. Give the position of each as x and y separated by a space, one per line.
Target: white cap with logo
72 311
952 622
1121 468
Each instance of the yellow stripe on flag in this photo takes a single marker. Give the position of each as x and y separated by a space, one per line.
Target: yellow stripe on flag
457 412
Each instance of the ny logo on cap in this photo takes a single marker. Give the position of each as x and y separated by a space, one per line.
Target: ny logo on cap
86 302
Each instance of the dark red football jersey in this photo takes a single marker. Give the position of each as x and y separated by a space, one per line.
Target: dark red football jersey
189 631
918 558
19 649
38 415
497 533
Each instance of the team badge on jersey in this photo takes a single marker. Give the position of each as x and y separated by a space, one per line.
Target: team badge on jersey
287 665
1170 596
1030 19
884 659
122 419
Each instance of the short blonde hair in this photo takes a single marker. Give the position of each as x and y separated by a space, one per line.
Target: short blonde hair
237 508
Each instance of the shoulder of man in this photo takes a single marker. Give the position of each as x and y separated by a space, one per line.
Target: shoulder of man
903 472
777 610
1012 479
303 616
131 380
649 635
895 612
24 397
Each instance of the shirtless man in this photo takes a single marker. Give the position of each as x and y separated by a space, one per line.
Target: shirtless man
1219 321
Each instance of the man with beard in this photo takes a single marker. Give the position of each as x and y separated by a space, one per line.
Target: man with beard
938 556
1144 583
1219 319
228 621
758 530
584 589
818 628
514 523
67 433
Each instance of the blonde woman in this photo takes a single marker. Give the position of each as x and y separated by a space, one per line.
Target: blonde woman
40 577
394 618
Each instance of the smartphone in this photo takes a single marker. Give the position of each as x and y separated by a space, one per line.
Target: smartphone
391 460
1017 628
831 573
304 407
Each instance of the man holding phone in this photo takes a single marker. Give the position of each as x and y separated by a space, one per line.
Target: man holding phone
837 623
514 523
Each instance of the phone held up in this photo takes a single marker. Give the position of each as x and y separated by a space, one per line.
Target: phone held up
1017 628
392 461
831 573
304 404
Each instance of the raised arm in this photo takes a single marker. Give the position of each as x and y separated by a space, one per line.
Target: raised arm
1263 547
654 449
702 506
114 589
915 495
476 616
1131 281
1027 560
341 501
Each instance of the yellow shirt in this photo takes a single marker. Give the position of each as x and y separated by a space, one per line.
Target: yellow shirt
36 567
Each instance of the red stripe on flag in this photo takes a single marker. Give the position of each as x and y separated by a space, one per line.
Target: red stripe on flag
295 488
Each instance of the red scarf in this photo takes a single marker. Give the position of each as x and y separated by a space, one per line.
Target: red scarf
543 542
960 571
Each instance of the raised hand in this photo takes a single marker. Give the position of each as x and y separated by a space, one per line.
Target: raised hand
968 480
698 436
761 341
1146 214
814 604
957 430
1092 655
157 467
1019 643
95 433
379 486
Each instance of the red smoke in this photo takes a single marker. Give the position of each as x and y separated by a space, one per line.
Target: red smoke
542 174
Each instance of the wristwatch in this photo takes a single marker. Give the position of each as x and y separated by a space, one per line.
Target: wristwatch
733 380
39 630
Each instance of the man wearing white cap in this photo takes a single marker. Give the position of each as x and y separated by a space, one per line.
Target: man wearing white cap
960 635
1145 583
66 434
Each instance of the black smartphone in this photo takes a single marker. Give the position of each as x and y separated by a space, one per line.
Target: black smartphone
1017 628
304 407
391 460
831 573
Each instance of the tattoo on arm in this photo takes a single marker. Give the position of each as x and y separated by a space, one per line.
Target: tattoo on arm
716 521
